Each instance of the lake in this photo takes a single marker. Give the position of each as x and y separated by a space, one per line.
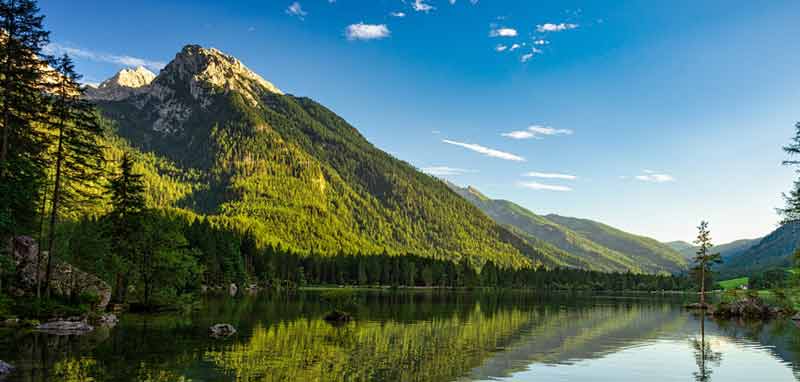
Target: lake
417 336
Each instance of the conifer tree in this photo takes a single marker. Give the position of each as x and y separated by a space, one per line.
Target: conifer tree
78 157
704 260
791 212
22 107
127 199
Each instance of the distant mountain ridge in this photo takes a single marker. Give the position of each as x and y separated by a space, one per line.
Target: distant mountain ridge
775 250
594 245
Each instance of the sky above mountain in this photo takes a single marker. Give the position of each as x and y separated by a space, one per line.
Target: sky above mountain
648 116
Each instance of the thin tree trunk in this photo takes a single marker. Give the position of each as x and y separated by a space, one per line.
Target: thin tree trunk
703 286
54 211
10 34
41 244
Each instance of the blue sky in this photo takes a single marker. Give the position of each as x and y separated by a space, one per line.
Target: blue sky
648 116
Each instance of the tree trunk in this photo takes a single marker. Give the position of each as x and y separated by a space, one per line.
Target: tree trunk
41 244
54 211
703 286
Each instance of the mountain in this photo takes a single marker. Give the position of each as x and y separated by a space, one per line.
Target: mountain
727 250
297 174
124 84
776 250
647 251
625 252
682 247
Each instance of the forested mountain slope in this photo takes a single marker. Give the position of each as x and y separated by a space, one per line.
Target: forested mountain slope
297 174
776 250
644 249
590 253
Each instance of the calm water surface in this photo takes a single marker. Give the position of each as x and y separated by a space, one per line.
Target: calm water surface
418 336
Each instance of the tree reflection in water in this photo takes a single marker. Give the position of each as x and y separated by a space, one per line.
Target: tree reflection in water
704 354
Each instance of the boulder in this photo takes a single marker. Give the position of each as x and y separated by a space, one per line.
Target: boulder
232 289
5 369
697 306
65 280
65 328
108 320
221 330
796 317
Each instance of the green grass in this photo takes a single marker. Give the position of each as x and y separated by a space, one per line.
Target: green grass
733 283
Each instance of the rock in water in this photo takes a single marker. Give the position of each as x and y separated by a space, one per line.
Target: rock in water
5 369
109 320
65 328
232 289
221 330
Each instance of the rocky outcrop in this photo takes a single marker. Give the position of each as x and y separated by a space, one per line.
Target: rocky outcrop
66 280
748 307
233 289
124 84
221 330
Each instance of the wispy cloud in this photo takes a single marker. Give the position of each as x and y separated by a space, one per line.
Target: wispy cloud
514 47
544 187
540 42
503 32
549 175
397 14
486 151
528 56
501 48
295 9
363 31
445 171
536 132
85 54
422 6
654 177
550 27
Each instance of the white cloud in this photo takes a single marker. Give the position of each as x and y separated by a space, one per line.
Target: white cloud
123 60
544 187
363 31
421 6
398 14
526 57
540 42
501 48
295 9
486 151
503 32
549 175
445 171
514 47
536 132
654 177
550 27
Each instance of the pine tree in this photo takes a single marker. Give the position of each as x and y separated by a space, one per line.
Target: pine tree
791 212
22 107
704 259
127 199
78 157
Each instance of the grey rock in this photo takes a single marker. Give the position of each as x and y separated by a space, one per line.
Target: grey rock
108 320
221 330
233 289
65 328
5 369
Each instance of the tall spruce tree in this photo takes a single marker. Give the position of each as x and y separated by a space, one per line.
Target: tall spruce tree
705 259
22 109
127 199
78 157
791 212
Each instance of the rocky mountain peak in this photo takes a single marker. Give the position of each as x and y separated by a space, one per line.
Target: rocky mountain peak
199 66
125 83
